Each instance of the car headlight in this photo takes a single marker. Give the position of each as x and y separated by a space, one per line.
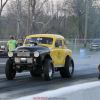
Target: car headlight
10 54
36 54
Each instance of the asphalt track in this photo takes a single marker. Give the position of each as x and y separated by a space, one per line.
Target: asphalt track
24 84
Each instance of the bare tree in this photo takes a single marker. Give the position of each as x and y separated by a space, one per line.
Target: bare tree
54 26
22 19
2 6
33 4
34 16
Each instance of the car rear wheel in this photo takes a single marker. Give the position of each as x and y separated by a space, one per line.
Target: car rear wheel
34 74
48 70
68 70
9 71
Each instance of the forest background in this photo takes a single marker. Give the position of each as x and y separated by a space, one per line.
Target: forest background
66 17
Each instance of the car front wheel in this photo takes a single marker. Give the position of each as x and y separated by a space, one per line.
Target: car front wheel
48 70
9 71
68 70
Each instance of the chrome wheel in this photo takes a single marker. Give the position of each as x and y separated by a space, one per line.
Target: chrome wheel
50 71
70 68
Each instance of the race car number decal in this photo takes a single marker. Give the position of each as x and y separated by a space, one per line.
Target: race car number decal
58 56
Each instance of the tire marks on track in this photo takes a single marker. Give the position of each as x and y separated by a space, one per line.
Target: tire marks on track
27 82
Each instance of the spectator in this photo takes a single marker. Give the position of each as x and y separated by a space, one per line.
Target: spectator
99 71
11 45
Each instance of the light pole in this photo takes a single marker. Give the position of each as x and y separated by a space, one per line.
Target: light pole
28 19
86 22
18 18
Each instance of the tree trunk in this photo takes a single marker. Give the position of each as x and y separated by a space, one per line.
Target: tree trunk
33 4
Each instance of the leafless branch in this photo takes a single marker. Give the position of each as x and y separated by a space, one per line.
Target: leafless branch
48 22
43 4
2 6
39 13
51 18
4 3
54 26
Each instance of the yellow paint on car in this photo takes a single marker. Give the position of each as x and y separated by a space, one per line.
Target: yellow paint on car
58 55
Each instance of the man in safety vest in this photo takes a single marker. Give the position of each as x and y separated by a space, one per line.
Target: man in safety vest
11 45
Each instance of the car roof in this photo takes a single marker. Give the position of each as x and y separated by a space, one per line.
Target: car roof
54 35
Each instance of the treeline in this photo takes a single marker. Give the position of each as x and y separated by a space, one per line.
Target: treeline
66 18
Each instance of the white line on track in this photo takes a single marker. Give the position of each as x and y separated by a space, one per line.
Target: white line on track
62 91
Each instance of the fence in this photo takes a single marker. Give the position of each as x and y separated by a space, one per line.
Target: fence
76 44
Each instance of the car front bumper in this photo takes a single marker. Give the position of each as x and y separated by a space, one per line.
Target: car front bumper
94 48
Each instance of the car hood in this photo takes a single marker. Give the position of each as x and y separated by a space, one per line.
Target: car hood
32 48
95 43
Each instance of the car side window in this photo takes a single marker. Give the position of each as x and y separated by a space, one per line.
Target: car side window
58 44
64 44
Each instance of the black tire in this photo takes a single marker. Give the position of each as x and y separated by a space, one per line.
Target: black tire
68 70
34 74
48 70
9 71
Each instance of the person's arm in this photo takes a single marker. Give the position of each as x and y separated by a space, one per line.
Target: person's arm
18 44
7 48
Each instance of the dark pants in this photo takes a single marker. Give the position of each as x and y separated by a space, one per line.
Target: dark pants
99 74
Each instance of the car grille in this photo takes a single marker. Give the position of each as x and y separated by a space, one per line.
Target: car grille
95 45
23 60
23 57
23 53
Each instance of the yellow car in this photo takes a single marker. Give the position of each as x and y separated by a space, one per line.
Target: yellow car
41 54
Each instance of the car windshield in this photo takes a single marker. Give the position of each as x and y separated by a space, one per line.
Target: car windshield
42 40
96 41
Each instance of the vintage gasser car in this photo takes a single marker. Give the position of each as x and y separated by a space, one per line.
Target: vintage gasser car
42 54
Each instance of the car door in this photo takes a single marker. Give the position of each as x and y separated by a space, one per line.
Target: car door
58 53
